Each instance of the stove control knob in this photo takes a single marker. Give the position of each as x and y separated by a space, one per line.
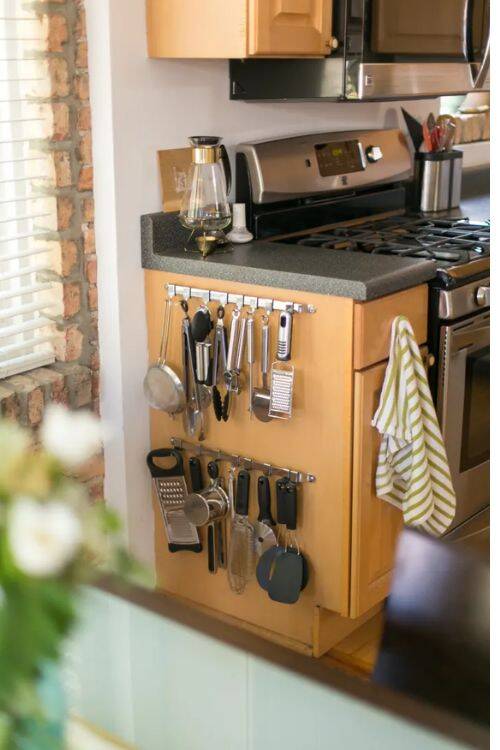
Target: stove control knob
373 153
483 296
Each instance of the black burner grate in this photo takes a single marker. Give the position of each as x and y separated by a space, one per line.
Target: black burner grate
446 241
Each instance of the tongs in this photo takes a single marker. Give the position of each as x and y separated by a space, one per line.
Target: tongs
232 376
219 366
194 421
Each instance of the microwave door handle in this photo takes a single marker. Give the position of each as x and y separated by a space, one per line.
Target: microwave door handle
484 67
468 51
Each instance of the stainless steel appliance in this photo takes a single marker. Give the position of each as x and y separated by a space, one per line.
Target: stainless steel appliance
438 178
382 49
462 344
347 192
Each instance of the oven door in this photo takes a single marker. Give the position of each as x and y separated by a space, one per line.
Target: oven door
416 47
463 402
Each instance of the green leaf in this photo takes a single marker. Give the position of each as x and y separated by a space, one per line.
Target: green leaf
34 618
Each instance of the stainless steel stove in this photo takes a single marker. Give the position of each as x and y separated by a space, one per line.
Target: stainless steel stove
348 192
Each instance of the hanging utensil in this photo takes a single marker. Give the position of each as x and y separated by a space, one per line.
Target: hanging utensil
209 508
171 492
229 374
281 398
219 366
195 474
282 373
265 536
194 422
285 323
261 396
162 386
267 561
250 360
201 325
241 558
287 576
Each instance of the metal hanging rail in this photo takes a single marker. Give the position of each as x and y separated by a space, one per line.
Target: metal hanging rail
241 461
240 300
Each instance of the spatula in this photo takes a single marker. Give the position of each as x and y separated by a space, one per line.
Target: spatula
266 562
287 577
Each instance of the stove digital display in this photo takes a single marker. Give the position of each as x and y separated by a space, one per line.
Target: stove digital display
340 157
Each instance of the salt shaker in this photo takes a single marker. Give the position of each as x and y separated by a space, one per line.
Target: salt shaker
239 233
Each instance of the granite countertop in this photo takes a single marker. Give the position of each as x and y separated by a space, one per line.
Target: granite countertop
360 276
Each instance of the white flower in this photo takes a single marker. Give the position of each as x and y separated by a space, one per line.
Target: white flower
72 437
43 537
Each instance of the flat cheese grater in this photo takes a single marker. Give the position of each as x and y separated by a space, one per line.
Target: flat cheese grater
280 403
171 491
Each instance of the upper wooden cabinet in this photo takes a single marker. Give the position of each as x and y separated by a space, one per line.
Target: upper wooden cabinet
239 28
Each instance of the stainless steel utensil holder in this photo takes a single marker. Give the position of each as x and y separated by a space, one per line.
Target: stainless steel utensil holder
240 300
243 462
438 180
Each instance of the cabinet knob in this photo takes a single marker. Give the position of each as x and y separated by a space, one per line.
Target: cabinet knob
483 296
333 43
429 361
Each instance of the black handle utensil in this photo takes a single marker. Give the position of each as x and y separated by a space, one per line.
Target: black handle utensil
288 576
195 474
242 493
201 324
265 536
264 496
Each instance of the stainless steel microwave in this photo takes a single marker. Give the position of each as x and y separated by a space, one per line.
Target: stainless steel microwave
384 49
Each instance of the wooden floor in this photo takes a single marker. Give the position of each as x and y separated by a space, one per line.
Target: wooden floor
358 652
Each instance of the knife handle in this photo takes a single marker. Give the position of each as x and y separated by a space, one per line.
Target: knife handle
264 495
242 493
195 474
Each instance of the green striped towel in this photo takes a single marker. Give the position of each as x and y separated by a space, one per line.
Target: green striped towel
412 471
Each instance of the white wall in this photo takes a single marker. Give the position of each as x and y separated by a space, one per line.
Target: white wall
140 106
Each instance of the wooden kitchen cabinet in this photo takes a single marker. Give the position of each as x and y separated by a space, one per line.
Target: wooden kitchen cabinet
239 28
375 523
346 533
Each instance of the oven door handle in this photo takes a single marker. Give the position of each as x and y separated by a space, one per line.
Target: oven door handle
477 338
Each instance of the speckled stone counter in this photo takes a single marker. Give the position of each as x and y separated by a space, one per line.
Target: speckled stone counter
359 276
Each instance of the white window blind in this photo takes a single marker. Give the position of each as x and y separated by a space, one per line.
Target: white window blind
28 209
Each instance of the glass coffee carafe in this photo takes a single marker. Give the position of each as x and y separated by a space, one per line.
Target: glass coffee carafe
205 207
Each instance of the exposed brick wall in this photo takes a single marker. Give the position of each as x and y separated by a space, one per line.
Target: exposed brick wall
74 379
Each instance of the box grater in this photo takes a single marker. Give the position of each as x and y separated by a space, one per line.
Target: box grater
171 491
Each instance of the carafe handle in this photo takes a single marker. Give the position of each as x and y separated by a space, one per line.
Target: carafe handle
226 165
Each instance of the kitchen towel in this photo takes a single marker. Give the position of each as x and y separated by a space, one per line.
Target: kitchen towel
412 470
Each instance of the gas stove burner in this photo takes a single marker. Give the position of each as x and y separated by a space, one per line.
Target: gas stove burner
448 242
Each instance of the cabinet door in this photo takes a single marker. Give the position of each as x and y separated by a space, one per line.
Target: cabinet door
290 27
375 523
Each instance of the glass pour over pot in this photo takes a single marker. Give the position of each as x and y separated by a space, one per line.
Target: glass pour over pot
205 205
